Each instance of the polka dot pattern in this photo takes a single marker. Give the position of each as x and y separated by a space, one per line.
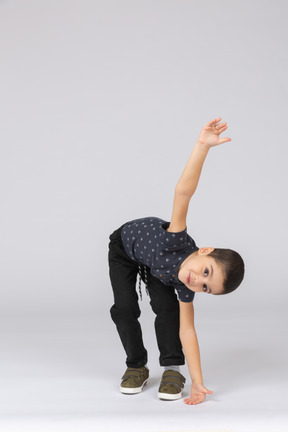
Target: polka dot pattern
148 242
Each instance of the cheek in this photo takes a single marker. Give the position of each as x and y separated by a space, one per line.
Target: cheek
182 274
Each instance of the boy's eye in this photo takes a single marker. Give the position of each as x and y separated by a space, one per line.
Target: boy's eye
206 272
204 288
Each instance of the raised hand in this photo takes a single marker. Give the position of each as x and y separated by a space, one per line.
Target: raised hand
209 135
198 394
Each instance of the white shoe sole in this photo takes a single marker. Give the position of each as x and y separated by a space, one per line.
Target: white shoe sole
168 396
133 390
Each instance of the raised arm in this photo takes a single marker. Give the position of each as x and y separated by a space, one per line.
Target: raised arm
187 184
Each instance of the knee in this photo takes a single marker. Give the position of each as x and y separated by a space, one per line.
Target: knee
165 305
124 313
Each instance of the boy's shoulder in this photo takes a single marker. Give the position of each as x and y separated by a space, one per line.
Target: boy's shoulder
146 219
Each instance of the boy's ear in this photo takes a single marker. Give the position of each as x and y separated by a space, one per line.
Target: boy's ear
205 250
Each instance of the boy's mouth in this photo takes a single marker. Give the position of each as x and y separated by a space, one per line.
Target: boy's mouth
188 279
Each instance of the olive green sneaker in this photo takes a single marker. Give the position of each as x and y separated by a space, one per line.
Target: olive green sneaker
134 379
171 385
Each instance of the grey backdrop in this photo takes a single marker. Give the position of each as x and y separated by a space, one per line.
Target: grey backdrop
101 103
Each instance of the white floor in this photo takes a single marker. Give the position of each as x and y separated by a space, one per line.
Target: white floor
56 376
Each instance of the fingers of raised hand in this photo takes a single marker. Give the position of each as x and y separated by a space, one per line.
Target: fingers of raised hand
221 127
213 122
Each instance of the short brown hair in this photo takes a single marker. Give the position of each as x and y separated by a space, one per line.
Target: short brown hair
233 266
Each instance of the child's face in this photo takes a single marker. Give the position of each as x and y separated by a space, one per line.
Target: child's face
201 273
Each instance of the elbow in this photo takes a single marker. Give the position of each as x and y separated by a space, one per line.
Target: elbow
186 334
182 190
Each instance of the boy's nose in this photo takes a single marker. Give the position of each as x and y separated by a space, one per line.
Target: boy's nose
195 280
199 282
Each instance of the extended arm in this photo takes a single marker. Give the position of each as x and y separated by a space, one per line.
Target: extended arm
187 184
185 188
191 350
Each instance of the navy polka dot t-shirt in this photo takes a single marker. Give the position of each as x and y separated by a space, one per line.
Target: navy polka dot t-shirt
147 242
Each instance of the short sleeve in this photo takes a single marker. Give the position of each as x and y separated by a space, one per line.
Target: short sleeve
184 294
173 240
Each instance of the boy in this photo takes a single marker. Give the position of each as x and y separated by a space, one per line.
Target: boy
168 259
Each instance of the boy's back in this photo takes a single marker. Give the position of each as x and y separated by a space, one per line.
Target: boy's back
148 242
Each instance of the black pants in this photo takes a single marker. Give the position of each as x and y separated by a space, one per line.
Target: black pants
125 311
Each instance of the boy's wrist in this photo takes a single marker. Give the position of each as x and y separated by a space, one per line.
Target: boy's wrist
202 145
197 381
196 377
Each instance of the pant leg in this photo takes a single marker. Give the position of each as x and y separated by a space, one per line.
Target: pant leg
165 305
125 311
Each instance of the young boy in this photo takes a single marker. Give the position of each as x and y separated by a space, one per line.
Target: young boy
167 258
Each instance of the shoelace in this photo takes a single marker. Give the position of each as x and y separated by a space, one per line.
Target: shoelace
145 280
